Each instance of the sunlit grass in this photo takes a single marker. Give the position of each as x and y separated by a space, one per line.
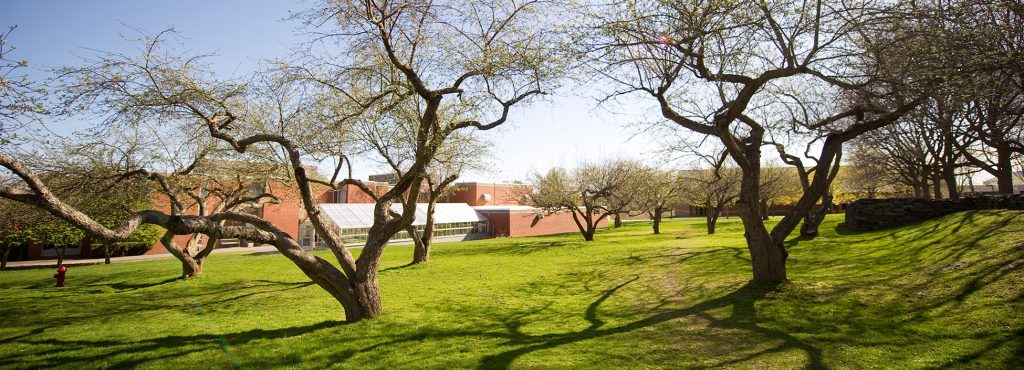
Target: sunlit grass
944 293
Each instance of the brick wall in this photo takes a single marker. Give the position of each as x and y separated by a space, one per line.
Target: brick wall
514 224
473 194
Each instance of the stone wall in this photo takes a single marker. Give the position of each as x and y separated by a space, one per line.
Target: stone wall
873 214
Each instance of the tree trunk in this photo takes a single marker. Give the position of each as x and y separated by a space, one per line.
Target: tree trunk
60 255
1004 167
767 256
764 210
657 220
937 186
106 255
191 267
711 217
367 300
618 221
926 193
711 220
589 234
949 177
421 248
813 220
4 256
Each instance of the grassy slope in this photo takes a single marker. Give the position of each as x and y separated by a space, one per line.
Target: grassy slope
942 293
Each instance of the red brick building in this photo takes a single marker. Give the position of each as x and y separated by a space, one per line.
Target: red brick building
499 212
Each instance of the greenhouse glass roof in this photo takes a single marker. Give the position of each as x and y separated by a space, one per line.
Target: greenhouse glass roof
359 215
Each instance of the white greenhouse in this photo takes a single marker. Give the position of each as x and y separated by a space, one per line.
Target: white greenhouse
352 221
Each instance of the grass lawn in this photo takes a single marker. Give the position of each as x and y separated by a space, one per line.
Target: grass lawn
943 293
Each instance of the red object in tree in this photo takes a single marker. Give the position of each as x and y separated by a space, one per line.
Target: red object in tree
60 275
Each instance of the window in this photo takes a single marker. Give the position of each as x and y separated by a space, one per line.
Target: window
339 195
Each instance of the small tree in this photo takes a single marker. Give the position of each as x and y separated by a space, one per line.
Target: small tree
713 188
658 189
591 192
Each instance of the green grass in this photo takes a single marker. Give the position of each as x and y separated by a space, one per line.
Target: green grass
943 293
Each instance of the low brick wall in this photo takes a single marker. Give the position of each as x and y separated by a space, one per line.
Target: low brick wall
874 214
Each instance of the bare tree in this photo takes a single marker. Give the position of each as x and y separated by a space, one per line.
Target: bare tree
710 66
461 153
867 173
713 185
21 99
591 192
659 189
491 54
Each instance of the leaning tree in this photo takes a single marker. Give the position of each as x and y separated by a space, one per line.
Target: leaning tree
490 55
718 68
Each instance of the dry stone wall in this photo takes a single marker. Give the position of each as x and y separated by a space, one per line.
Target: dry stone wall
874 214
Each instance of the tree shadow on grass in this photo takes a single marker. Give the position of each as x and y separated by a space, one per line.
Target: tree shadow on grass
149 350
125 286
743 317
520 248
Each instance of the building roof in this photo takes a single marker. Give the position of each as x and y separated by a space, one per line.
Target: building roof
359 215
509 208
479 183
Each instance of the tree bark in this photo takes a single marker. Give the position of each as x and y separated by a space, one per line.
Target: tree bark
421 242
813 220
767 256
191 265
949 177
106 255
1004 168
618 221
589 234
657 220
711 217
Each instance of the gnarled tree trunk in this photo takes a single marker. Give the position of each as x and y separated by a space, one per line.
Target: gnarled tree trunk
191 259
421 242
813 220
767 255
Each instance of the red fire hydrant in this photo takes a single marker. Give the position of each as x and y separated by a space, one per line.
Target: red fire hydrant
60 275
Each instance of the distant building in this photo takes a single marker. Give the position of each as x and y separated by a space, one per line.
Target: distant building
471 210
991 186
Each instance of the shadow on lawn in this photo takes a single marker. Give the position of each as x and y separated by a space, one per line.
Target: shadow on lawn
147 350
890 323
743 317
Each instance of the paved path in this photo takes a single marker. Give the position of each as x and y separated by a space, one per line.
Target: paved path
145 257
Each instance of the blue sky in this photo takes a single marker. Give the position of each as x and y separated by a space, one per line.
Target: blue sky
559 132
